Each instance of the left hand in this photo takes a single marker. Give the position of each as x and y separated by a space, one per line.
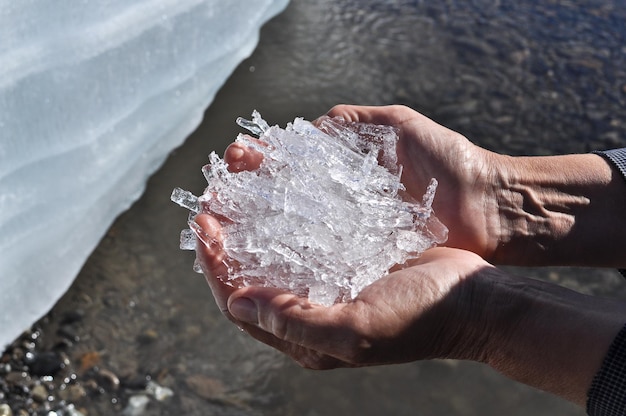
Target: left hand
428 310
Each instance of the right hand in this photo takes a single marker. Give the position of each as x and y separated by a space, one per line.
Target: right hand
466 199
551 210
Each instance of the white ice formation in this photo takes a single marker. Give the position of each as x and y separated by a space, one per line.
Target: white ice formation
93 96
324 215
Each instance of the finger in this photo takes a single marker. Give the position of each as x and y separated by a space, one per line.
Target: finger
209 249
239 157
210 255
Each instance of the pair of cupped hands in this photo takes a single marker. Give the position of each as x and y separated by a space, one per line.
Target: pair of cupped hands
418 312
451 302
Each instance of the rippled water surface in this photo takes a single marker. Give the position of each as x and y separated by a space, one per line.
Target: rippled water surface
516 77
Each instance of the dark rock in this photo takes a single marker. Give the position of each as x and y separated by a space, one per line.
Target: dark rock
67 332
134 383
147 337
45 364
71 317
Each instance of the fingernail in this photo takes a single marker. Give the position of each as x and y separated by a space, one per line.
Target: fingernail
244 310
236 153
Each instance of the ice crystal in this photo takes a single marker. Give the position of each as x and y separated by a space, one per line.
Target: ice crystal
324 215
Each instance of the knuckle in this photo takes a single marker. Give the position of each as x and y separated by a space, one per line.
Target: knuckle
277 325
337 110
284 326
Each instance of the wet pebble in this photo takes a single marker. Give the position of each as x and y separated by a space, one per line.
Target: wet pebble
68 333
160 393
72 393
147 337
17 377
89 360
134 383
72 411
108 379
206 387
45 363
5 410
39 393
73 316
136 405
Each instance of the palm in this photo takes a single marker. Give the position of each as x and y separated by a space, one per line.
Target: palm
406 308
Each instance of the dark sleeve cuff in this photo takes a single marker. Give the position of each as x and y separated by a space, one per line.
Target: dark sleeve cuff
607 395
617 157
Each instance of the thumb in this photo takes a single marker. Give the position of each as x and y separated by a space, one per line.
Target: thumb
273 310
328 330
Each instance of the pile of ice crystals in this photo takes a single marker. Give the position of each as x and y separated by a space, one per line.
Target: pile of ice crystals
323 216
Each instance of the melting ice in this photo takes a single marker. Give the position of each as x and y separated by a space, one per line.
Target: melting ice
323 216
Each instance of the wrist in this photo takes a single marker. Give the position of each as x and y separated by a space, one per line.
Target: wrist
559 210
531 221
476 331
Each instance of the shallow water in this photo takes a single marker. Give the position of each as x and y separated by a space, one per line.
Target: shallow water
520 78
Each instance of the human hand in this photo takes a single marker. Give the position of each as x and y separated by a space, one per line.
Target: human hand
420 312
531 211
466 200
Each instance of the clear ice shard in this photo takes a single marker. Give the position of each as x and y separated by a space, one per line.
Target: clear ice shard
185 199
93 97
324 215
